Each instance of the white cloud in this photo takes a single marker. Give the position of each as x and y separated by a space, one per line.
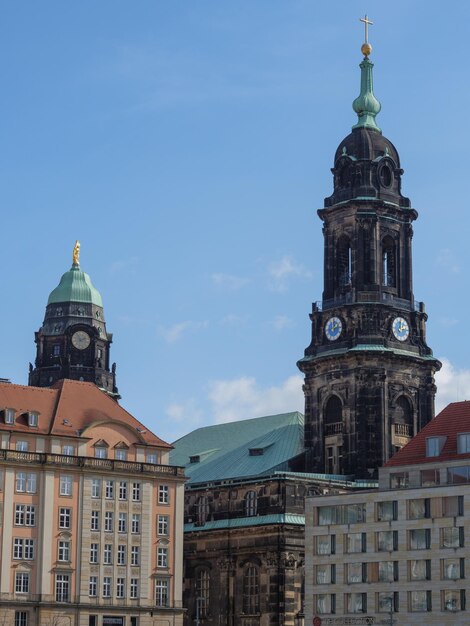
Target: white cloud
280 272
175 332
453 385
242 398
233 320
228 281
447 260
183 418
280 322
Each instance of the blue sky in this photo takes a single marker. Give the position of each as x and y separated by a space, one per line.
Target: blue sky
188 145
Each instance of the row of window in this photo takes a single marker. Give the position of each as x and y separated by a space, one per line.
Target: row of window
388 571
387 540
62 585
434 445
122 522
452 600
417 508
431 477
250 591
26 482
9 417
203 508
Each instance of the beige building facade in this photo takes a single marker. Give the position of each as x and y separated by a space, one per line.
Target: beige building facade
91 517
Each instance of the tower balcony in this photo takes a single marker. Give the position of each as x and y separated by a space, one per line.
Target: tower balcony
365 297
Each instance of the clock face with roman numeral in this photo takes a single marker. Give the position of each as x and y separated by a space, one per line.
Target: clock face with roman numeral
333 328
400 328
81 340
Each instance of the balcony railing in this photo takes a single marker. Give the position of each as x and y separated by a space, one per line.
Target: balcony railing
403 430
334 429
369 296
41 458
30 598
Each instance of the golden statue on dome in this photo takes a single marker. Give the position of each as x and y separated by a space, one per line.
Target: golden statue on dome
76 253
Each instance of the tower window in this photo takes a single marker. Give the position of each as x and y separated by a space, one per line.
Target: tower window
389 263
344 260
56 350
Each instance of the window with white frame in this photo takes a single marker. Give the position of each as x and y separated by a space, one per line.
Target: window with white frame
66 481
135 555
94 552
23 549
434 445
122 523
163 494
22 582
108 554
26 482
96 488
135 525
134 588
161 591
9 416
109 489
121 554
63 551
203 591
62 588
33 419
120 587
120 454
152 458
93 586
162 557
65 517
101 452
162 524
463 443
122 490
108 521
21 446
21 618
68 450
107 582
25 515
136 492
95 520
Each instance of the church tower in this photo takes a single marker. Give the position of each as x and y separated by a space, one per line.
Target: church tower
369 373
72 341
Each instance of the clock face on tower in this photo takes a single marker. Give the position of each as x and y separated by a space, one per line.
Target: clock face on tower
81 340
400 328
333 328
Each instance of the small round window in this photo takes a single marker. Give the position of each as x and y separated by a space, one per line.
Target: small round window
386 176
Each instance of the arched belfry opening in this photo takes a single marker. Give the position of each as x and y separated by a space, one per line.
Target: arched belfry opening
389 262
344 260
333 440
402 423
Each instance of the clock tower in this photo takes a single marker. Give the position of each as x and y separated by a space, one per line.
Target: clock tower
369 373
72 341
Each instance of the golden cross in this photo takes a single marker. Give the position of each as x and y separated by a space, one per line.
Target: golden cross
366 21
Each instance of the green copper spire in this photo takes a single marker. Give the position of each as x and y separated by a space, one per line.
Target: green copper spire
366 105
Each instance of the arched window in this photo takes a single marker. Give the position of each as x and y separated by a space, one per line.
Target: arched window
202 509
344 260
403 417
333 410
202 592
251 503
251 590
389 270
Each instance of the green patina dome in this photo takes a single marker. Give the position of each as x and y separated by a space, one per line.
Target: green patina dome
75 286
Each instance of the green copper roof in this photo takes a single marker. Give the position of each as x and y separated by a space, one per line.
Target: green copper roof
75 286
247 448
241 522
366 104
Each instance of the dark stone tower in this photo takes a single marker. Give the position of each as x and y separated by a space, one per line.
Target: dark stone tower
72 341
369 374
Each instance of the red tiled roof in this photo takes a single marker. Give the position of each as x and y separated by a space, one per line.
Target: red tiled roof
67 409
451 421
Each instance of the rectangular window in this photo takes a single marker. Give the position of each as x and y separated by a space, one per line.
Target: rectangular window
434 445
162 524
120 587
93 586
419 508
325 544
95 520
25 515
136 492
101 452
453 569
356 573
151 458
68 450
107 586
324 603
341 514
32 419
135 555
420 601
63 551
463 443
122 490
356 542
452 537
162 557
108 522
108 554
387 601
62 588
453 600
387 511
21 618
25 482
22 582
420 569
430 477
163 494
388 571
109 489
65 485
135 527
324 574
94 552
9 416
452 506
96 488
120 454
121 554
23 549
122 523
399 480
134 588
65 517
161 592
21 446
387 540
458 475
420 539
356 602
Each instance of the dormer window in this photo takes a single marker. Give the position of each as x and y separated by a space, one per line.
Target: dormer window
101 449
152 458
9 416
33 419
256 451
434 445
463 443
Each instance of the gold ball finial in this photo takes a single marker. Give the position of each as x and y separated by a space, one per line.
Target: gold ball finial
366 49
